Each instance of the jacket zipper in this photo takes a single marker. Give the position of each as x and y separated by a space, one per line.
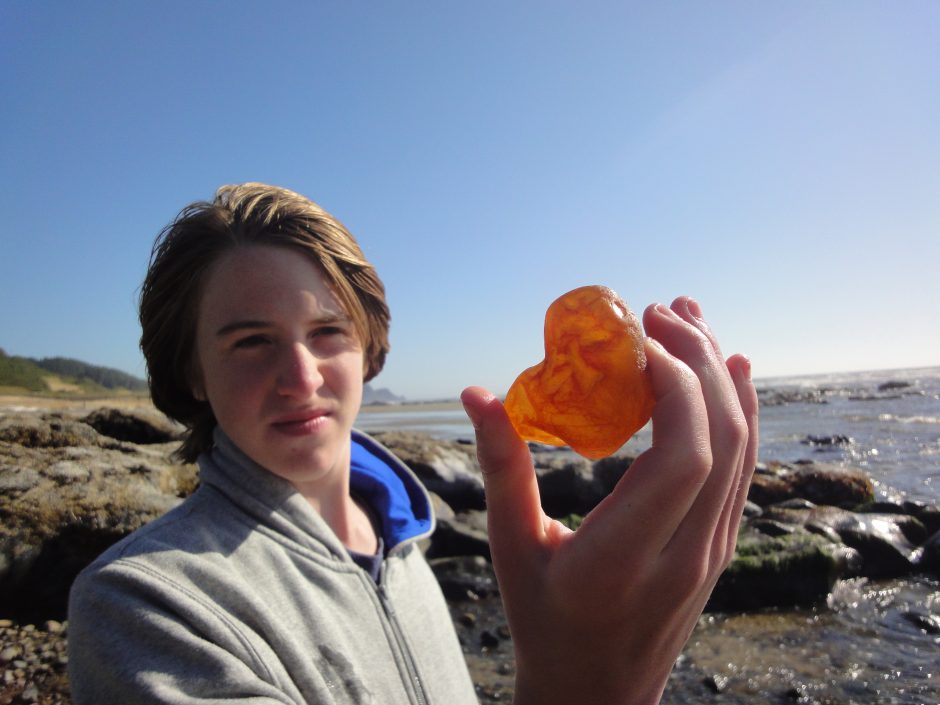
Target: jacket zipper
398 632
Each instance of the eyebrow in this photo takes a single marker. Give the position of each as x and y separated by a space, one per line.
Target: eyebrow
236 326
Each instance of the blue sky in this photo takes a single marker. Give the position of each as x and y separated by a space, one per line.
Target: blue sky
780 162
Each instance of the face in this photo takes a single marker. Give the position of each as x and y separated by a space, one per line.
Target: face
280 363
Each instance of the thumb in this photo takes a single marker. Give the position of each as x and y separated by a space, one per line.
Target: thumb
512 494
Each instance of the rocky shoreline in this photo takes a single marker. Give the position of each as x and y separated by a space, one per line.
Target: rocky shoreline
73 481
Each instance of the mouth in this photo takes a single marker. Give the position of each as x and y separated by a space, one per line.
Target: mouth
300 423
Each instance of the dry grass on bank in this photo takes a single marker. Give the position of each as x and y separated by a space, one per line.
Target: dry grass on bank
12 401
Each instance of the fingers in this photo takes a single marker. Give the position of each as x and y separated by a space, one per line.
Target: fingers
684 333
740 369
512 495
654 496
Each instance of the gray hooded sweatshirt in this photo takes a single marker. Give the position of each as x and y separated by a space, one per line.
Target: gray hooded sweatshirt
244 594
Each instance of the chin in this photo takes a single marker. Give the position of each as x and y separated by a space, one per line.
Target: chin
306 466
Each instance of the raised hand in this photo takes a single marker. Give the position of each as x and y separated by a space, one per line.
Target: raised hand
600 615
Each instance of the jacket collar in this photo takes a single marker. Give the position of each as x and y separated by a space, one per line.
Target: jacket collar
397 497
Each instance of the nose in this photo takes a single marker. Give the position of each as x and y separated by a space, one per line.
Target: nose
299 372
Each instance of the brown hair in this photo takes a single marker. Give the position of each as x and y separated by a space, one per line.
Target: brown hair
185 250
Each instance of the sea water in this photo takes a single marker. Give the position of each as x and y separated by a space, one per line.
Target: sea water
885 422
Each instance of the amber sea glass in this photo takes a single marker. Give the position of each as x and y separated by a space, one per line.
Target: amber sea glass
592 391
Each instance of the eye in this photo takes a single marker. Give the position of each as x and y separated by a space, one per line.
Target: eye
250 341
326 331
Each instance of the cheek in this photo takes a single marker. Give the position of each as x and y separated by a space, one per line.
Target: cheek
351 375
231 387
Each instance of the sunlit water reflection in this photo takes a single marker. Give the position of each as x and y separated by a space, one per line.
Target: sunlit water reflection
874 643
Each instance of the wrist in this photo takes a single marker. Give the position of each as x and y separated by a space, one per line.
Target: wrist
539 690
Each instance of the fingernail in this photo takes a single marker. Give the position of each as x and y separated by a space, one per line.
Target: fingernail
746 366
694 308
473 413
664 310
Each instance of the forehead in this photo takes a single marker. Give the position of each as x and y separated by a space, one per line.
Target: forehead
265 280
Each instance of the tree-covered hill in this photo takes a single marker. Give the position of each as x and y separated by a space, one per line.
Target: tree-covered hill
33 375
21 372
107 377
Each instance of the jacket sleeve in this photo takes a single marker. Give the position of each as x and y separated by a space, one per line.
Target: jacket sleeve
137 637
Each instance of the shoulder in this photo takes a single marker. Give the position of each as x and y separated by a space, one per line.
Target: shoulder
169 553
176 570
181 526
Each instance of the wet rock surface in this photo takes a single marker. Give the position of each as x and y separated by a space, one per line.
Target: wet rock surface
73 483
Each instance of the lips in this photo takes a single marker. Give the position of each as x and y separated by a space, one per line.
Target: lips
300 423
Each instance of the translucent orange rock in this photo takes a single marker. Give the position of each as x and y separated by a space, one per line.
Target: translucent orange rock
592 391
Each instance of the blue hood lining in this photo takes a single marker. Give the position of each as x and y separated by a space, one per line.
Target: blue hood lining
401 504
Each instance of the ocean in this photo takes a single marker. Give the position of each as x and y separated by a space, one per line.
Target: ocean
865 645
886 422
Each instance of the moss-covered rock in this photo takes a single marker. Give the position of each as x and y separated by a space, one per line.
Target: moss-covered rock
66 494
820 483
794 569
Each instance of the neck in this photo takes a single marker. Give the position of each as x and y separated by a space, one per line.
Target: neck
351 522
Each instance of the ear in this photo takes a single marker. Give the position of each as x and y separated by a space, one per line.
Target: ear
196 386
